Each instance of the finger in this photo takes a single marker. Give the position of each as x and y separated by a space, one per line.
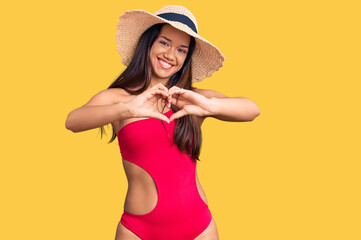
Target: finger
173 101
176 91
177 114
160 117
165 119
174 87
159 91
169 100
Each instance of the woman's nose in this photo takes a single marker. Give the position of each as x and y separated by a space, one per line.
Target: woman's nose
169 54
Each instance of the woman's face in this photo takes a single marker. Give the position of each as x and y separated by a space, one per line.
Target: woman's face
168 52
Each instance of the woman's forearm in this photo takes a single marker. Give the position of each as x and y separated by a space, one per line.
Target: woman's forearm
234 109
89 117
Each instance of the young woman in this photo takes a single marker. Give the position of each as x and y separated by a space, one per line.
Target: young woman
157 115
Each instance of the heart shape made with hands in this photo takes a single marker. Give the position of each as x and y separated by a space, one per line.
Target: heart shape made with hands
189 103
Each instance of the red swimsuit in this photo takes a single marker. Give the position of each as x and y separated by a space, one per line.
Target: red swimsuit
180 213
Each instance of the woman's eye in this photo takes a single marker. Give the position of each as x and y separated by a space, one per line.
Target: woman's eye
164 43
181 50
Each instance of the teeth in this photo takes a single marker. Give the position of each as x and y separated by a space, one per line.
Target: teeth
165 64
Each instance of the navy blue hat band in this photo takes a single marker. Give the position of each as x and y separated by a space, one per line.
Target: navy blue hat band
179 18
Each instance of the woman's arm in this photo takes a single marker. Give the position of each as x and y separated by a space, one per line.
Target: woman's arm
99 111
237 109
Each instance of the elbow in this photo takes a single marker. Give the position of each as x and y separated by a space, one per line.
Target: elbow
254 114
254 110
68 124
257 113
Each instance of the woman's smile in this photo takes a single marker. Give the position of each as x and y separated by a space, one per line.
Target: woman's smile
164 64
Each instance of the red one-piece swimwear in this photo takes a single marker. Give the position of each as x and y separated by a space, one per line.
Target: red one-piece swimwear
180 213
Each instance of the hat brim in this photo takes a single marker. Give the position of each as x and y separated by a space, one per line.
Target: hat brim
206 58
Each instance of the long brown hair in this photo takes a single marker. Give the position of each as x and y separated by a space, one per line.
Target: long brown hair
187 132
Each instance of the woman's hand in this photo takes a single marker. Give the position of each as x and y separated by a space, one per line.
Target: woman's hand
189 102
146 103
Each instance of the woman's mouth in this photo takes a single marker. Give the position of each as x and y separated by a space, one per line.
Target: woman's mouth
164 64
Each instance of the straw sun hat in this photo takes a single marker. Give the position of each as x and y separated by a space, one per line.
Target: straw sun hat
206 58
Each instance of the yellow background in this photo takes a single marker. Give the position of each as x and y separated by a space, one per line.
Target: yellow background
292 173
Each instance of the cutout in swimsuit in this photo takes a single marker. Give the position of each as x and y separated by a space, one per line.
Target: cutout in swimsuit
180 213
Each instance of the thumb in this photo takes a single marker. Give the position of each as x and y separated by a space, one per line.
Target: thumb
178 114
161 117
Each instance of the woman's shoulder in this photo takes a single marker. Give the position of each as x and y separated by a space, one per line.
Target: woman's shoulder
108 96
116 91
